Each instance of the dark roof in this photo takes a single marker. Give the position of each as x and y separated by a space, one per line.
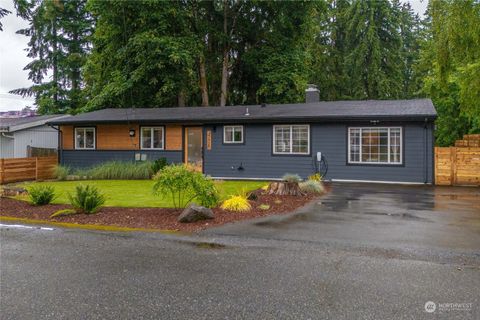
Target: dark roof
418 109
14 124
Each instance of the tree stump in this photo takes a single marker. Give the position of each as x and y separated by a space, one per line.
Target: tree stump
284 188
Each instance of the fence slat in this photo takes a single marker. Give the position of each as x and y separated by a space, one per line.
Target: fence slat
23 169
457 166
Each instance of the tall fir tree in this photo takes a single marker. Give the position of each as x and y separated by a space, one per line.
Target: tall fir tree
329 51
59 42
373 62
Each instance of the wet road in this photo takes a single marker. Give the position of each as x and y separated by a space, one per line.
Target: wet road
362 252
405 217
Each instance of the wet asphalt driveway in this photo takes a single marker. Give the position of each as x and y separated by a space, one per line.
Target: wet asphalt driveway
361 252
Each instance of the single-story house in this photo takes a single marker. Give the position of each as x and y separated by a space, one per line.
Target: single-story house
381 140
28 136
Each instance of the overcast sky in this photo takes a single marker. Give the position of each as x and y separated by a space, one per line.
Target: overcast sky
13 57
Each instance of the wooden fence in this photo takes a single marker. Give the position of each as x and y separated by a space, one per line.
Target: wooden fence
23 169
457 166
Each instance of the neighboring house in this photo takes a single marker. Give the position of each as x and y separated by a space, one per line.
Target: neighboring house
389 141
18 135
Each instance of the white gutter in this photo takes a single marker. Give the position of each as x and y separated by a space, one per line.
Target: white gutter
7 136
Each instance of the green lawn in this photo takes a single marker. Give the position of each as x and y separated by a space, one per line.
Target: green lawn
137 193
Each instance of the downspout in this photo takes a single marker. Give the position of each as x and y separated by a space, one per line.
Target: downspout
432 136
60 144
425 143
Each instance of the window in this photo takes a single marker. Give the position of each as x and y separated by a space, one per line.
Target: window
84 138
232 134
375 145
291 139
152 138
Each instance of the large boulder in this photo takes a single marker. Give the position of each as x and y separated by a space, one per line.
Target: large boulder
194 213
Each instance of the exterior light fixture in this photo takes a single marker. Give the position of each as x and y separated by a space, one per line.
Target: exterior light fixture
131 132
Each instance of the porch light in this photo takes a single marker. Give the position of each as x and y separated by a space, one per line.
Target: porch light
131 132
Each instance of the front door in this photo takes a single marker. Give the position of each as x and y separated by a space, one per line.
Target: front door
194 147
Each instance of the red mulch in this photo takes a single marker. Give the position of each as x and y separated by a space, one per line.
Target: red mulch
152 218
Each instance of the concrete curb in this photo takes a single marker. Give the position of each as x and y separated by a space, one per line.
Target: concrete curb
90 226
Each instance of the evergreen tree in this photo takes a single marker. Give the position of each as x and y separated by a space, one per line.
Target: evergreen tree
3 13
450 65
162 54
373 63
59 32
329 51
411 33
144 55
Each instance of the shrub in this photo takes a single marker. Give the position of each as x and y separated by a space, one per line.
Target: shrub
158 165
119 170
236 203
289 177
87 199
63 212
315 177
311 186
62 172
41 195
207 193
184 185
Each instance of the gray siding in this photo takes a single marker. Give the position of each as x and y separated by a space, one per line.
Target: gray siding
40 137
89 158
256 157
257 160
6 146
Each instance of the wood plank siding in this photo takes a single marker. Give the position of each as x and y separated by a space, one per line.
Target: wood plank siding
67 137
173 137
117 137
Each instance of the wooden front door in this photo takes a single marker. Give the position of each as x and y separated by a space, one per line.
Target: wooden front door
194 147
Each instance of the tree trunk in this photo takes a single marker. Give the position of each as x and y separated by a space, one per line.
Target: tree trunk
223 93
75 76
55 66
181 98
203 82
284 188
224 85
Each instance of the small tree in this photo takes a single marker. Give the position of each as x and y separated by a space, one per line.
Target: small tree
184 185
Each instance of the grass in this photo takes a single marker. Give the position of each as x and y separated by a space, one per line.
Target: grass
135 193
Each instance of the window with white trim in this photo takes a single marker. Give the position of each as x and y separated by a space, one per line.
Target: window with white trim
232 134
373 145
152 138
85 138
291 139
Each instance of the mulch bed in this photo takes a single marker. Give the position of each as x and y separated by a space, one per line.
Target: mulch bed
152 218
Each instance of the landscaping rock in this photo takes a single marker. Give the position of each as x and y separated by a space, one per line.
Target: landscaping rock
253 195
194 213
12 191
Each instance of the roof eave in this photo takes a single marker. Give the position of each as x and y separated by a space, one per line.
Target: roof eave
246 119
